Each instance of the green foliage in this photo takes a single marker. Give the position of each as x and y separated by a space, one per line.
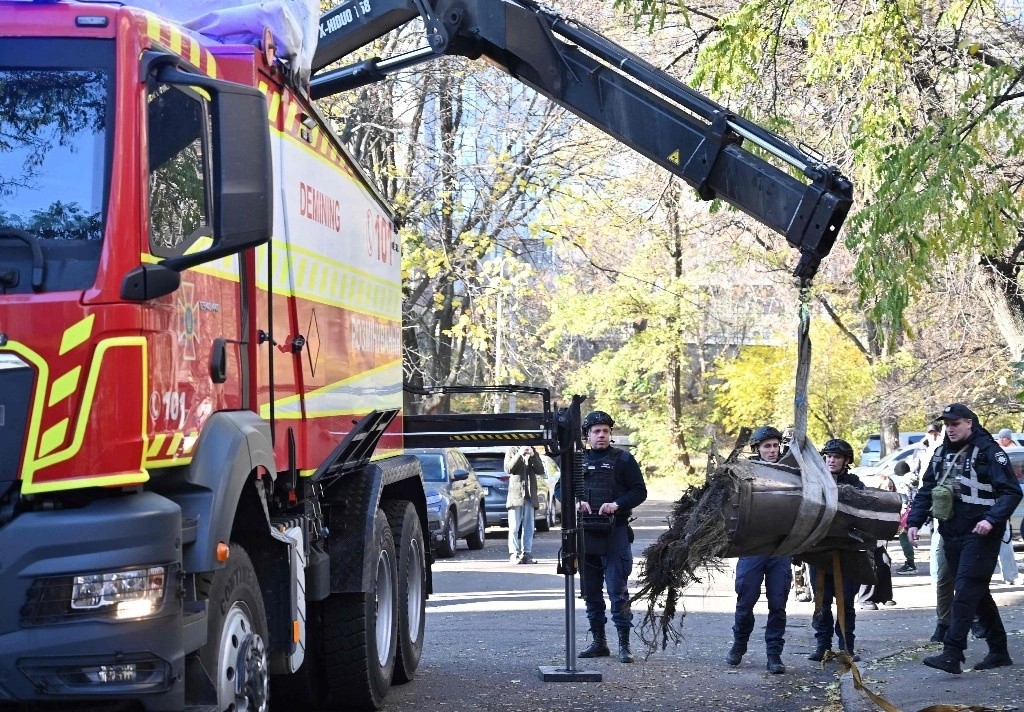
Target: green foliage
919 101
60 221
755 387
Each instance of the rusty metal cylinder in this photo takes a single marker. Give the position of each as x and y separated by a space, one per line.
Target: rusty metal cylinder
770 498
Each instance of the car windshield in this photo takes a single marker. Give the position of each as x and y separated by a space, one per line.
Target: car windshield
432 469
488 463
55 153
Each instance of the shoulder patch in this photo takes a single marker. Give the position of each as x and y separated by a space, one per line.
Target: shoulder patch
1001 458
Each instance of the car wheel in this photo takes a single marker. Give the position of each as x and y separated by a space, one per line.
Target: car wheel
446 547
475 541
544 525
412 599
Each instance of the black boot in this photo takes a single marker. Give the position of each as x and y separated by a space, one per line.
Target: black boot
775 666
735 654
625 655
948 660
819 653
940 633
994 659
598 648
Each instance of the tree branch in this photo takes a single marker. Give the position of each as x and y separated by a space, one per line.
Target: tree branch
842 327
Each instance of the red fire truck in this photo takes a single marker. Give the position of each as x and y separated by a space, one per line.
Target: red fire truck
183 488
203 496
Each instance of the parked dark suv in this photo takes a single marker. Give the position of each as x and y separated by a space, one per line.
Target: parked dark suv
489 464
455 499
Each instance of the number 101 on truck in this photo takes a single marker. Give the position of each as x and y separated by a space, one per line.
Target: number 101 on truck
202 496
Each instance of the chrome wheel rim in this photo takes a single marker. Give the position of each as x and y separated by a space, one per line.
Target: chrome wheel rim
384 603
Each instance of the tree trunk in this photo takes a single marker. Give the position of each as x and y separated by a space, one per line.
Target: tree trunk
997 282
675 371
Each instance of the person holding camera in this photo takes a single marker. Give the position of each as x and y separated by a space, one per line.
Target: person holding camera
970 490
775 572
612 486
523 466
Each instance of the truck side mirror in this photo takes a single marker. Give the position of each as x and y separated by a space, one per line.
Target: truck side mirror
242 177
147 282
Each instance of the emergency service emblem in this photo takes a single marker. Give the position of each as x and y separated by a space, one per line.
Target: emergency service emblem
187 331
1001 458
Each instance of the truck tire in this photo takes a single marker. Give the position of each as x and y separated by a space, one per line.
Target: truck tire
235 654
475 540
449 538
412 587
360 631
306 688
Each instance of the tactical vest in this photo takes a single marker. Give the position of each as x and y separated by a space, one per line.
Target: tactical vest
972 490
599 483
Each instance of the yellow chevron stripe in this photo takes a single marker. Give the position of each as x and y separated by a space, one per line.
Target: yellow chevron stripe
172 449
291 117
156 446
176 41
77 334
53 437
64 386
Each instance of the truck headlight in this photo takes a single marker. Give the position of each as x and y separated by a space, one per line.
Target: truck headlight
134 594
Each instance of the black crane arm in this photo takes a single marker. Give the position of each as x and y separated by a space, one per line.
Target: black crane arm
642 106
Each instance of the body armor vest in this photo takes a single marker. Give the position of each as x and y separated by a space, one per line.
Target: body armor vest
972 490
599 476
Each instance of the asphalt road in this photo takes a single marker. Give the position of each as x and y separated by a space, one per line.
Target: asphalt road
491 625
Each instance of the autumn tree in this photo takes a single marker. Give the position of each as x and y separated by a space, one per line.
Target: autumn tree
920 102
467 156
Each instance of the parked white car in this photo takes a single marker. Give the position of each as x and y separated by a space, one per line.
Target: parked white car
872 475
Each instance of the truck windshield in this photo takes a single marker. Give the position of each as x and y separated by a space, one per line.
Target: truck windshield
55 128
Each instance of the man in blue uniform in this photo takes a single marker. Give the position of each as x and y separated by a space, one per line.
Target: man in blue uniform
612 486
775 571
970 490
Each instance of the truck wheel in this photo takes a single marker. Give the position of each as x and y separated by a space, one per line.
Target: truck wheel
446 547
306 688
412 587
544 525
361 630
235 654
475 541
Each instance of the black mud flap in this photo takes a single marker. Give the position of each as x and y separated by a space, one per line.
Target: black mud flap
354 452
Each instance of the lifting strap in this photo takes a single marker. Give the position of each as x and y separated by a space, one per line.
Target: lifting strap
820 496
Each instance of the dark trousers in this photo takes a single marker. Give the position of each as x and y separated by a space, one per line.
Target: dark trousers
611 569
908 548
823 622
973 558
777 574
881 591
